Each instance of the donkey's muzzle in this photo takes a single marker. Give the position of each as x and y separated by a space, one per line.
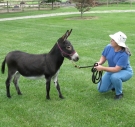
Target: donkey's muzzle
75 57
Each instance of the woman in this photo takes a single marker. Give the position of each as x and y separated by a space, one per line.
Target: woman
119 70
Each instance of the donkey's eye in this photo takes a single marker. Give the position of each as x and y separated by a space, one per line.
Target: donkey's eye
68 48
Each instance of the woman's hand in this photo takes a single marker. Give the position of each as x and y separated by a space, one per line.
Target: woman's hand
99 67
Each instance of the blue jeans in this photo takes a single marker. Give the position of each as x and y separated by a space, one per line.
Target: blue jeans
114 80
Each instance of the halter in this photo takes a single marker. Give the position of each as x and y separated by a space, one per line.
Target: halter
65 52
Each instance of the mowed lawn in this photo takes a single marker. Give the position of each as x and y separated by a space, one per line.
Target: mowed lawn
83 105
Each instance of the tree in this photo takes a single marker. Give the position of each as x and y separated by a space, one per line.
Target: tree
83 5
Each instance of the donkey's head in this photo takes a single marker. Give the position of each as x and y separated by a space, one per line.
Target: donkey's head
66 48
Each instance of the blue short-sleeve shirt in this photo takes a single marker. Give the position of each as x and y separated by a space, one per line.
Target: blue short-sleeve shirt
120 58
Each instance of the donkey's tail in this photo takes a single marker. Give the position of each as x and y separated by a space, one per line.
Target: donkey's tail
3 66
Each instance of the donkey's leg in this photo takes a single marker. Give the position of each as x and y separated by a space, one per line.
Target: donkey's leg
8 86
55 80
16 82
8 81
48 81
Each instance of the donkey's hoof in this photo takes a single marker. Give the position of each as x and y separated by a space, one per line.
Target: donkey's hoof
48 98
61 97
8 96
19 93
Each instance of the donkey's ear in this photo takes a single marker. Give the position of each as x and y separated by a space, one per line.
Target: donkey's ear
66 35
69 32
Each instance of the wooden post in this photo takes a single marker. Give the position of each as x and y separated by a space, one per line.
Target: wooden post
7 7
130 3
38 5
107 3
117 2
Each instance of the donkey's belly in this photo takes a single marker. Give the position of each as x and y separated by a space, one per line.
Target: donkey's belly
34 77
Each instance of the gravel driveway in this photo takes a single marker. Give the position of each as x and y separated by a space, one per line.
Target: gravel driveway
66 13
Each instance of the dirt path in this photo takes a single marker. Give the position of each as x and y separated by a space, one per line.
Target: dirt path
67 13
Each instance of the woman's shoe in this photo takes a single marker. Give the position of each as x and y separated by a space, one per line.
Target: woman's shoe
113 89
117 97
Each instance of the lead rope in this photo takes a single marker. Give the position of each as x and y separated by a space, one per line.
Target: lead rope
96 75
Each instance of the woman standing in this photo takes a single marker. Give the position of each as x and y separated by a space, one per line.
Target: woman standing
119 69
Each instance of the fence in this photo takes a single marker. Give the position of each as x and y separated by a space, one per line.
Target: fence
12 6
109 2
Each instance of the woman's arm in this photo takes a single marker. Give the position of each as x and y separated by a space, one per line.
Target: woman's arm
108 69
102 60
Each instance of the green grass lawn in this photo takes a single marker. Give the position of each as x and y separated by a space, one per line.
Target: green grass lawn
83 105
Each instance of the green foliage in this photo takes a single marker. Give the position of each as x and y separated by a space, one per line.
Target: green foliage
83 106
83 5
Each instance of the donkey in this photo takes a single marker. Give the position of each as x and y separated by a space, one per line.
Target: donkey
39 65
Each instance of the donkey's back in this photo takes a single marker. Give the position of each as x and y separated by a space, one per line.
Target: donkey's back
26 64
